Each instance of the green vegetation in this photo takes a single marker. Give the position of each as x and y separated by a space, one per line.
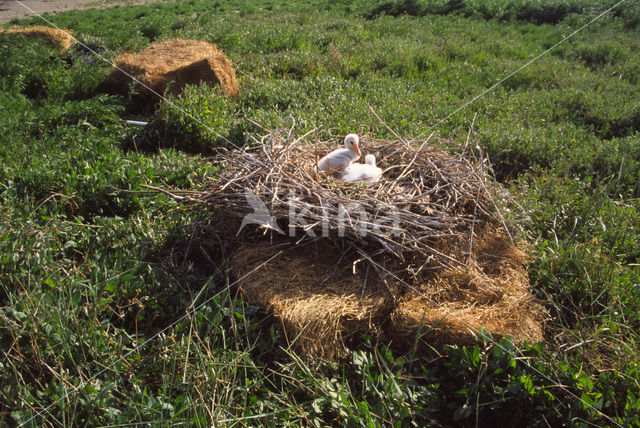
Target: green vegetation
91 312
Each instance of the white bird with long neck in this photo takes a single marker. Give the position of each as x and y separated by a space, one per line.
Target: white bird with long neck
366 172
339 160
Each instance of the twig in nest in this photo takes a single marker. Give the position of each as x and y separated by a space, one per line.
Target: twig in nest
381 277
366 277
387 126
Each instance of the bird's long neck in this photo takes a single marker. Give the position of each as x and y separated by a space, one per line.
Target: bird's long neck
352 155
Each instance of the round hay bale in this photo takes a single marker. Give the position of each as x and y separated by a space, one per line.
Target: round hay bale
424 249
61 38
173 64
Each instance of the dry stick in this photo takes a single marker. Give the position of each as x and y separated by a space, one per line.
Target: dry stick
259 125
312 392
413 160
387 126
366 277
293 125
466 144
47 199
473 223
58 376
380 276
297 140
166 192
402 174
188 250
335 267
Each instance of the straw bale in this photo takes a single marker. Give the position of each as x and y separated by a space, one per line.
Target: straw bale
317 300
493 292
172 65
61 38
458 324
321 305
443 260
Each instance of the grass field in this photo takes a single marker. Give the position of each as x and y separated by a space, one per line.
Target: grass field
92 318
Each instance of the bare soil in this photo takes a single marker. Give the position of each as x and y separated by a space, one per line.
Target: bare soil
12 9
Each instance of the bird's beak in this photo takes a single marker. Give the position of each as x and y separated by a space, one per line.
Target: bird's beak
357 147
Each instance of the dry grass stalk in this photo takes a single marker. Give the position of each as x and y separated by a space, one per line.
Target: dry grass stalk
174 64
440 246
61 38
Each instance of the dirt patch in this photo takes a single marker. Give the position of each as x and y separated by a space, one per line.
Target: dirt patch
10 9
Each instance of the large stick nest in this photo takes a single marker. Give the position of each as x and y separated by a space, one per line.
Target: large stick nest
425 249
420 213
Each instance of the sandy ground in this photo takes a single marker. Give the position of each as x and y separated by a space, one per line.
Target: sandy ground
11 9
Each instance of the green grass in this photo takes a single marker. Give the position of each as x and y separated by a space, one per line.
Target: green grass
93 291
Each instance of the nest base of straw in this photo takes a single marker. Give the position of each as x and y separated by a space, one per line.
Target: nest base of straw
313 293
321 304
492 292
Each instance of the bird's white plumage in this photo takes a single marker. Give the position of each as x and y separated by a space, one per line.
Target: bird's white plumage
339 160
366 172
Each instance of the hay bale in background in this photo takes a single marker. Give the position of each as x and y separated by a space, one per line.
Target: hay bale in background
173 64
61 38
447 264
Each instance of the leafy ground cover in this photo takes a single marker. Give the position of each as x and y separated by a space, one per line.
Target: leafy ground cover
93 325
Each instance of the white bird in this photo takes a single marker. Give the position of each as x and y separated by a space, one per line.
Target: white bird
339 160
366 172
